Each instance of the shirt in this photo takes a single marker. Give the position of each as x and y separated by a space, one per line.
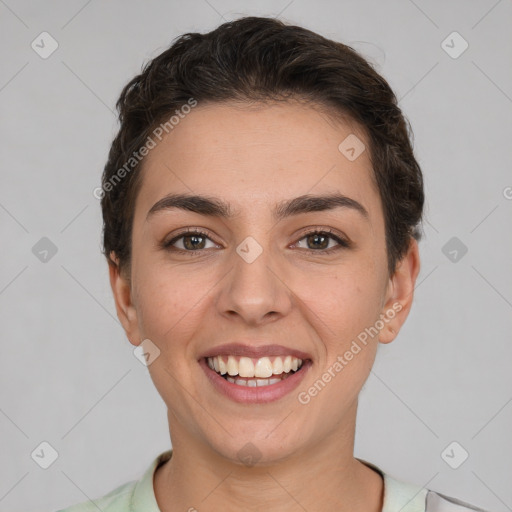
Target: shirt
139 496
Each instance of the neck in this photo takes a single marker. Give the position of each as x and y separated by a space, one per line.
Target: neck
325 477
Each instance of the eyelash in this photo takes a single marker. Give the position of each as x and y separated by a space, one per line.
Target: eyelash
342 242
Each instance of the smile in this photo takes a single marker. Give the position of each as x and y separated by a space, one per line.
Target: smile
250 380
250 372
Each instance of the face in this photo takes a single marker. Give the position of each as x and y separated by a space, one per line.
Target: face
262 278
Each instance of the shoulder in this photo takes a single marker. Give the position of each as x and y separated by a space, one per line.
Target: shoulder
136 495
437 502
117 500
408 497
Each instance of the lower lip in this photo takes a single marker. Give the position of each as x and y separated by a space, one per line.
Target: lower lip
255 395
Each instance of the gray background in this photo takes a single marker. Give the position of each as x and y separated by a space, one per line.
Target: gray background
67 373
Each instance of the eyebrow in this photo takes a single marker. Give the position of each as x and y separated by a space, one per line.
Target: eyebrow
215 207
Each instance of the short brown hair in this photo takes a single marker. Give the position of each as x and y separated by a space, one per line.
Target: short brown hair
263 59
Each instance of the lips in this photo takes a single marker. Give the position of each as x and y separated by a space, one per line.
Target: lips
269 392
254 374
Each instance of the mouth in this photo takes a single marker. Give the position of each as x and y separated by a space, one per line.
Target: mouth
254 372
246 375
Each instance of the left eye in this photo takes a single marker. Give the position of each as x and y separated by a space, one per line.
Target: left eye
319 240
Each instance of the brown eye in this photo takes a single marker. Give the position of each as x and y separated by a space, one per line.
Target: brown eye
190 241
319 241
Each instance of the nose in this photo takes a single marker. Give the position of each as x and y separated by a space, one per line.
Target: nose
255 291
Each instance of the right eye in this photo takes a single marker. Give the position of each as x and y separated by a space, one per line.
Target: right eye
191 241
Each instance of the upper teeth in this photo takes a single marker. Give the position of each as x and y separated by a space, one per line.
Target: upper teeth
247 367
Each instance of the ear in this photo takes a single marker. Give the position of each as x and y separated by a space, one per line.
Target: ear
126 312
400 292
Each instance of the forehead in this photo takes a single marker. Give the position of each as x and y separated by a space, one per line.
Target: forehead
258 155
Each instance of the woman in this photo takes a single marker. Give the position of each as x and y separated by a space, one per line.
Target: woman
261 207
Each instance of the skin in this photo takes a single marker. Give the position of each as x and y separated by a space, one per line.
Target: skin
317 301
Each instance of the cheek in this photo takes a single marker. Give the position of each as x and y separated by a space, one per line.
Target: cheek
345 302
169 301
